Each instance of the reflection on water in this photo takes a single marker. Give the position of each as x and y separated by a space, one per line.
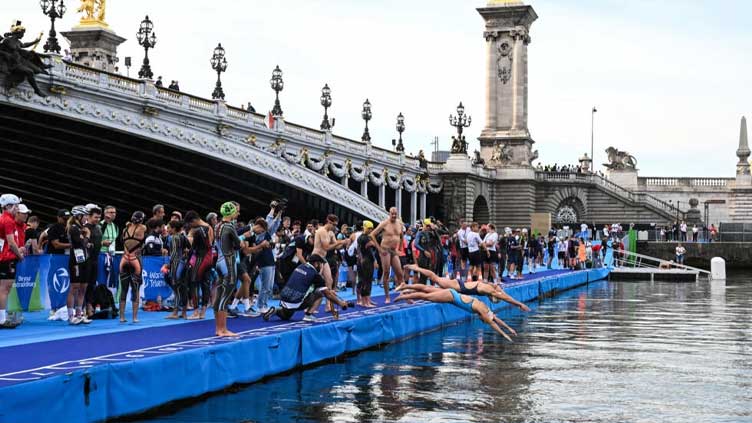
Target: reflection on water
638 352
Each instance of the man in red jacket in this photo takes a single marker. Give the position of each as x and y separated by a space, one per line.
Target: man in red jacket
10 254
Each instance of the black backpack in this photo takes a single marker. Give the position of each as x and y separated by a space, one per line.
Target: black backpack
104 298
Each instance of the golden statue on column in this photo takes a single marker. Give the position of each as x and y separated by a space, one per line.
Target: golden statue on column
93 13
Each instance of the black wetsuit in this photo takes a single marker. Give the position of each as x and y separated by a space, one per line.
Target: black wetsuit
367 259
92 264
178 245
227 264
200 262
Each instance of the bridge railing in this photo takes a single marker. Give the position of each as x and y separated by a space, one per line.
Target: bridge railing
595 179
676 182
84 75
636 260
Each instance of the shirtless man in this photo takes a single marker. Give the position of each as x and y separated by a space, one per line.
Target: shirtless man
324 245
392 230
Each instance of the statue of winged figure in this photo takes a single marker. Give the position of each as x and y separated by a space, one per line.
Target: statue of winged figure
93 10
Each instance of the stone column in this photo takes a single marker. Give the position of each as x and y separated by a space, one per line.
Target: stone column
414 207
491 38
423 205
382 195
398 201
344 180
507 38
364 187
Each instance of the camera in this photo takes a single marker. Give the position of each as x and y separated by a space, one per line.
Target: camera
278 206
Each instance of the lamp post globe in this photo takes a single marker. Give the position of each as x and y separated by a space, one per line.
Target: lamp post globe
54 9
277 84
146 39
218 63
366 115
460 122
326 101
400 128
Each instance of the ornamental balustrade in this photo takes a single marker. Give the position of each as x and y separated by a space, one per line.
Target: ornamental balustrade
293 151
659 182
644 199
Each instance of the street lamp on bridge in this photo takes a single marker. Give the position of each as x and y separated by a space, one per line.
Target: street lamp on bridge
461 120
278 84
400 128
54 10
326 101
366 115
147 39
219 64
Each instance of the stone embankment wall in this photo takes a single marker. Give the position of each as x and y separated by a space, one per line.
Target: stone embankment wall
736 254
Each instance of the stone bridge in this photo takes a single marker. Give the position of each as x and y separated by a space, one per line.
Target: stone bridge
109 139
511 198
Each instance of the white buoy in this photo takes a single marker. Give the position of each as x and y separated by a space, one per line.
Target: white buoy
718 269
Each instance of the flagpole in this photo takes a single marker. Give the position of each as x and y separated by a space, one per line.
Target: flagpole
592 140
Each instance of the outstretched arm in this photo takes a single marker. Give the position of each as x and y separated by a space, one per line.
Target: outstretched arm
499 331
500 294
506 326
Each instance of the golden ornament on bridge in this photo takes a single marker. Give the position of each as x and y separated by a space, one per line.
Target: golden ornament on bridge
93 13
505 2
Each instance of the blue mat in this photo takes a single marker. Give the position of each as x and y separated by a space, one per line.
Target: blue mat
94 377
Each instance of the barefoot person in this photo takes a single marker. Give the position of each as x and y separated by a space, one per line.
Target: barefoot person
465 302
391 231
304 291
469 287
367 254
229 244
324 244
131 265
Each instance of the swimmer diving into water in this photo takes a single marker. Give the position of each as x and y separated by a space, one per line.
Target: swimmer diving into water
469 287
465 302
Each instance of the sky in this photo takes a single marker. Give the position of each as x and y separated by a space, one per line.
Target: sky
671 78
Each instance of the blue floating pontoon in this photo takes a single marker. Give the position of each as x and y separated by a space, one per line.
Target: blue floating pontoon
50 372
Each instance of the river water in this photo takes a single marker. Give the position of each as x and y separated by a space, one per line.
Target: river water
609 352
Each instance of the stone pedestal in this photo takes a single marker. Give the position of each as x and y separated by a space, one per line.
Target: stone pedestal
458 163
626 178
95 47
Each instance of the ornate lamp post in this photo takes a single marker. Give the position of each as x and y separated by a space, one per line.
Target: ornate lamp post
326 101
366 115
278 84
147 39
400 128
54 10
460 122
219 64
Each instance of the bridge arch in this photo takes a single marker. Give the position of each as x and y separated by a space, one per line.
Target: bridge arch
568 205
58 158
481 212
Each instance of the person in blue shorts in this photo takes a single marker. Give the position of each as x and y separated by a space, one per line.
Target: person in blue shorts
304 291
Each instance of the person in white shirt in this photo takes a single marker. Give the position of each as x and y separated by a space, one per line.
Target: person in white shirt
473 248
680 251
683 229
464 253
491 257
695 232
584 231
